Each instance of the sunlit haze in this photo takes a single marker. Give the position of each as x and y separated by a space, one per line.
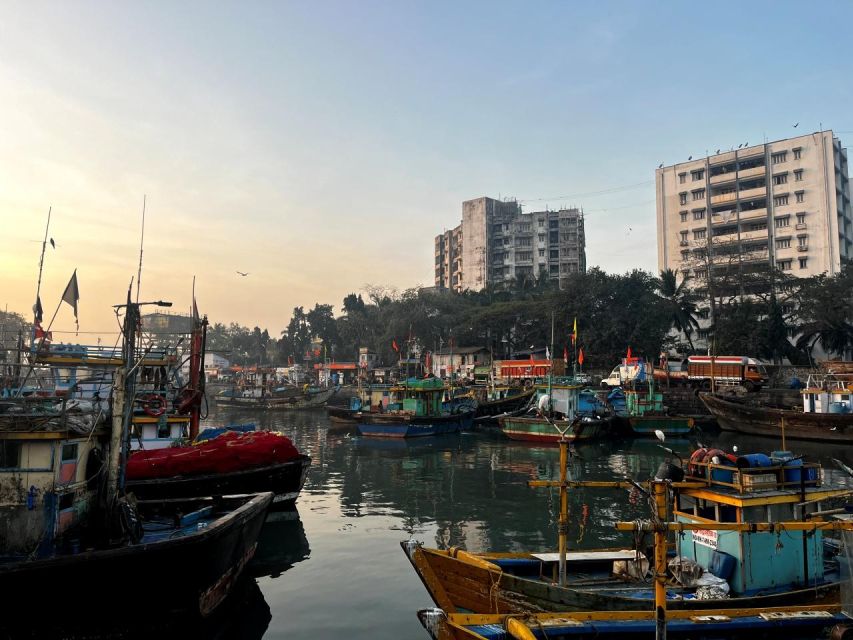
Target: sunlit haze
321 146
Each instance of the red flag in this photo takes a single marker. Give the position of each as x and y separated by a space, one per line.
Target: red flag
580 356
629 352
394 345
566 354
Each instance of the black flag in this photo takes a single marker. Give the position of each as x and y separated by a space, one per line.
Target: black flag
72 295
37 311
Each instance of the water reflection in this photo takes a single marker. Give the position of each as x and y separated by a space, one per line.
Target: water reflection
281 545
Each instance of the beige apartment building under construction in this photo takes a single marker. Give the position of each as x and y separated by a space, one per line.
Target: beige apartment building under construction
497 244
785 203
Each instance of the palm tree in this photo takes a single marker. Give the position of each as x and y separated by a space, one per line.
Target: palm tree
681 303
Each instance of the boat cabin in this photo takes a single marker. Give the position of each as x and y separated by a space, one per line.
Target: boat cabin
45 489
421 397
565 398
754 488
827 397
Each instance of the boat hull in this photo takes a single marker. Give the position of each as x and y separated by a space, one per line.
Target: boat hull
284 480
456 584
310 401
192 573
540 430
740 417
492 408
391 426
669 425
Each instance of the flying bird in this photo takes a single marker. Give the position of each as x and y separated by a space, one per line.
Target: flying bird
796 125
242 274
52 243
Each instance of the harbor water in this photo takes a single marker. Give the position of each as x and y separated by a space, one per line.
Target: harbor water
334 567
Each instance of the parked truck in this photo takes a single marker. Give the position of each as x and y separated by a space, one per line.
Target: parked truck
749 373
631 370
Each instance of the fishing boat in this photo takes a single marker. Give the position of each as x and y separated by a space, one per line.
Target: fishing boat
77 525
826 415
345 415
284 398
798 622
498 401
647 414
230 463
417 413
750 566
560 411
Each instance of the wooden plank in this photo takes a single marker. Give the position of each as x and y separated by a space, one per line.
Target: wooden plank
581 556
431 581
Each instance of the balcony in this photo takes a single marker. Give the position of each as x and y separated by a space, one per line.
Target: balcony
723 178
722 158
803 247
800 226
754 214
752 194
746 236
751 152
724 197
751 173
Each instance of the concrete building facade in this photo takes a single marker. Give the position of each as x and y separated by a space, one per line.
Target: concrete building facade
497 243
784 203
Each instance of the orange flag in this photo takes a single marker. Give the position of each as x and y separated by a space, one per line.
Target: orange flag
580 356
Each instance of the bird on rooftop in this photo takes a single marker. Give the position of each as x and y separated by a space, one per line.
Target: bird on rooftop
739 146
660 166
745 144
690 158
242 274
718 151
796 125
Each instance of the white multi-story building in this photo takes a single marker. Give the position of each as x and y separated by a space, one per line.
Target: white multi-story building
785 203
497 243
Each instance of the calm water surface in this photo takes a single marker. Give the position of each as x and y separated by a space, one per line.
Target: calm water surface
337 568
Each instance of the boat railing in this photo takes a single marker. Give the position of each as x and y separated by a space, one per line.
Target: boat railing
788 476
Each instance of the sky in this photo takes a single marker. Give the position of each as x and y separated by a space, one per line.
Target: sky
321 146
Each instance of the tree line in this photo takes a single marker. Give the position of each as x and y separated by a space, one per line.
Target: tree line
770 315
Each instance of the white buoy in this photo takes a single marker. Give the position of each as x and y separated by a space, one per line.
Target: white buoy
660 436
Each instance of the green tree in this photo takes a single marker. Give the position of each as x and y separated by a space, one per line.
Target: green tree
680 303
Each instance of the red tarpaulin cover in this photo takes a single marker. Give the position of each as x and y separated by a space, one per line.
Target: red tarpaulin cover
232 451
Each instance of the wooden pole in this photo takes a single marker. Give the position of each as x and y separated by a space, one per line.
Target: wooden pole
564 507
659 489
783 433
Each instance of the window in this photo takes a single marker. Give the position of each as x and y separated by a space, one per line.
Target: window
10 454
801 217
683 237
163 430
541 223
682 178
553 224
801 195
541 253
685 255
69 452
682 198
758 226
697 175
779 157
554 254
804 263
783 243
699 194
699 214
506 242
802 241
523 242
523 256
780 201
784 221
798 152
784 265
683 215
798 175
699 234
782 178
524 227
553 237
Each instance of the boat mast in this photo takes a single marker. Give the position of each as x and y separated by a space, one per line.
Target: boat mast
37 310
551 372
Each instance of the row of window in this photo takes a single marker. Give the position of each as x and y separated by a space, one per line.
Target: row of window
698 174
782 178
785 265
776 158
785 243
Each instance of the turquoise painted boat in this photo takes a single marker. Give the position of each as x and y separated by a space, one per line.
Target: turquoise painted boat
569 408
646 414
421 413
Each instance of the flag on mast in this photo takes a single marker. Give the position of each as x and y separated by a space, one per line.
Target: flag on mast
37 310
575 332
580 356
566 354
71 295
394 345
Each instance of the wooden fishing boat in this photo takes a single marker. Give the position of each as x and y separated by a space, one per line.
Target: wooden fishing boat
800 622
420 413
746 569
501 401
283 479
540 429
815 422
646 414
193 551
300 399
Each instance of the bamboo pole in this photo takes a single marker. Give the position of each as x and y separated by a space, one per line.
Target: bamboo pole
659 489
564 508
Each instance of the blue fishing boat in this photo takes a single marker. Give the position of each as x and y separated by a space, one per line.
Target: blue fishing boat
419 412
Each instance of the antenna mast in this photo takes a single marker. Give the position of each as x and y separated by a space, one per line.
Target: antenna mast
141 241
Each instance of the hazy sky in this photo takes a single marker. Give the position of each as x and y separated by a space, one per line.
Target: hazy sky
321 146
